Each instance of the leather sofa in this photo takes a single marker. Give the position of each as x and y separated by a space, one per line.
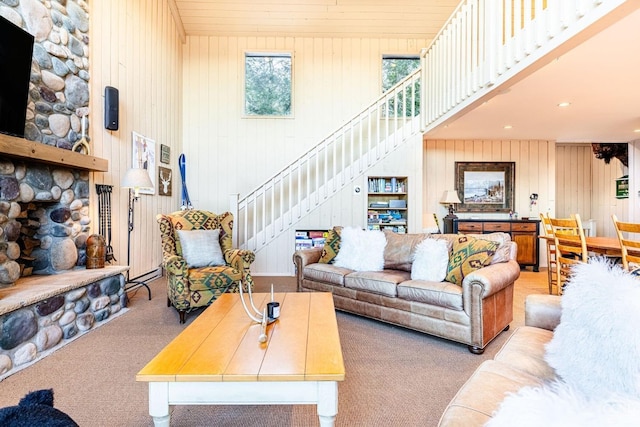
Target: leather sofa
519 363
473 313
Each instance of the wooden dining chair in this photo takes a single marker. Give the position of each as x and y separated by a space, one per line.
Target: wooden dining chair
630 247
571 247
551 253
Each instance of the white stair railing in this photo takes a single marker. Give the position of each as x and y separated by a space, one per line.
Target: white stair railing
311 179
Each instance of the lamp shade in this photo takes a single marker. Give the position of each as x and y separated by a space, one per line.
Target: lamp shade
136 178
450 197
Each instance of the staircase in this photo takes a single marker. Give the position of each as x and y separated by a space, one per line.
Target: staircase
486 44
315 176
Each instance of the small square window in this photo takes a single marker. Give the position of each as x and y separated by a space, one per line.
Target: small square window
394 69
267 88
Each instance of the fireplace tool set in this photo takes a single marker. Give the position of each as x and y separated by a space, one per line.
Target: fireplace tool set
104 216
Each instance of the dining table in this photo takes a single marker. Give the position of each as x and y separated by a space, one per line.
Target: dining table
607 246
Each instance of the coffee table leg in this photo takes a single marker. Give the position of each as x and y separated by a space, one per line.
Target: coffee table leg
159 403
327 402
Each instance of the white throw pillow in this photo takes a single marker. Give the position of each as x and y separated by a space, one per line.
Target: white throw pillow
560 405
361 250
596 346
430 261
201 248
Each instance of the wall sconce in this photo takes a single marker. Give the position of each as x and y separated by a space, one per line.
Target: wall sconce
134 180
450 197
533 200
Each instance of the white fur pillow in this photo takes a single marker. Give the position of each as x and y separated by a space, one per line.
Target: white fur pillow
201 248
560 405
596 346
430 261
361 250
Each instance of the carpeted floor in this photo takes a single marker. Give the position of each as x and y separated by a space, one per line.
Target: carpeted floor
394 376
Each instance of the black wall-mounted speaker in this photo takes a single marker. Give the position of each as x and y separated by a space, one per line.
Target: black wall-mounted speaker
111 108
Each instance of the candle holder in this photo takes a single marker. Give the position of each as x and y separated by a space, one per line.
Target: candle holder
265 317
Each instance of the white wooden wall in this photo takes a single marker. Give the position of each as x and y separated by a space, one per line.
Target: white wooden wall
586 185
333 79
135 47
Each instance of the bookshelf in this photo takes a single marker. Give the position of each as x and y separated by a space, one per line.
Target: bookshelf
387 203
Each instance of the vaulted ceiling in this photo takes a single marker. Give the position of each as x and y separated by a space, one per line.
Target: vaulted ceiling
600 77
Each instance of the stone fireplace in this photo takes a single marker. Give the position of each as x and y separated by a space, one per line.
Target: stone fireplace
44 218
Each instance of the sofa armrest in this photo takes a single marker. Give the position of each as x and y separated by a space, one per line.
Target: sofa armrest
542 311
492 278
302 258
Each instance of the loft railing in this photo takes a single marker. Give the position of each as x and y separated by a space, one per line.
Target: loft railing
311 179
485 43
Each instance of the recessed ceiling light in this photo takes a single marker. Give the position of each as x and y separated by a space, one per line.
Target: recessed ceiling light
636 130
564 104
508 126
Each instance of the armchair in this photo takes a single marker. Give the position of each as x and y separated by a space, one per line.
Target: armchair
189 287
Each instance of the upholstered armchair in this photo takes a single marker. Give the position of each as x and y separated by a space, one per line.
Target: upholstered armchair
190 287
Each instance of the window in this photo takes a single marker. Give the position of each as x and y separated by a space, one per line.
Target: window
267 87
394 69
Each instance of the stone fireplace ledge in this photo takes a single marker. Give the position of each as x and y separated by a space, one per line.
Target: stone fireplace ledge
32 289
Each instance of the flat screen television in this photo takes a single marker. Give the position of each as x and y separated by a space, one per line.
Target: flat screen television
16 51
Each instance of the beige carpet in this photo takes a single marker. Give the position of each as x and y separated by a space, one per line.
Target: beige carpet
394 376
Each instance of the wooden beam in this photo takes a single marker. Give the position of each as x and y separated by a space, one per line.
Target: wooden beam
37 151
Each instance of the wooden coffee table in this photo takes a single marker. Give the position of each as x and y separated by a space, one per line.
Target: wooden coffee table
218 359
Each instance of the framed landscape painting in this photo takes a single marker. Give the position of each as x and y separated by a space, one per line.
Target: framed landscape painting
485 186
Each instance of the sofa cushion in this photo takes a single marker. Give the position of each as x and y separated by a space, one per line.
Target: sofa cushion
361 250
469 254
524 350
201 248
400 249
331 246
378 282
327 273
430 260
596 346
442 294
481 395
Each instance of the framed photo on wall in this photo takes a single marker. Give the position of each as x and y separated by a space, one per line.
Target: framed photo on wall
485 186
166 182
165 154
144 156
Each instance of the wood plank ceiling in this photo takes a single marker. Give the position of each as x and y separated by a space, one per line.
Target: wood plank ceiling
315 18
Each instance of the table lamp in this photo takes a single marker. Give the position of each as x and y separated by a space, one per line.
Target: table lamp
450 197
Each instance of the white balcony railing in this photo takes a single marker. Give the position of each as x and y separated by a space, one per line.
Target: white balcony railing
485 43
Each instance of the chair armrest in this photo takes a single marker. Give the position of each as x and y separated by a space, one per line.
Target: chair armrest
542 311
176 265
241 260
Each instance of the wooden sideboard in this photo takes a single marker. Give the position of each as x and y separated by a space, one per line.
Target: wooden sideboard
524 232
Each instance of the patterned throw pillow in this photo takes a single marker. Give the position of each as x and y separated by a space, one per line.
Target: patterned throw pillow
331 246
469 254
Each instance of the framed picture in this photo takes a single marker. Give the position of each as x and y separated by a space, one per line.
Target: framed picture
485 186
165 154
144 156
164 176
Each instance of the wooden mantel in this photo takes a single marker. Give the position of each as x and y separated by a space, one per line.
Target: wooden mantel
20 147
